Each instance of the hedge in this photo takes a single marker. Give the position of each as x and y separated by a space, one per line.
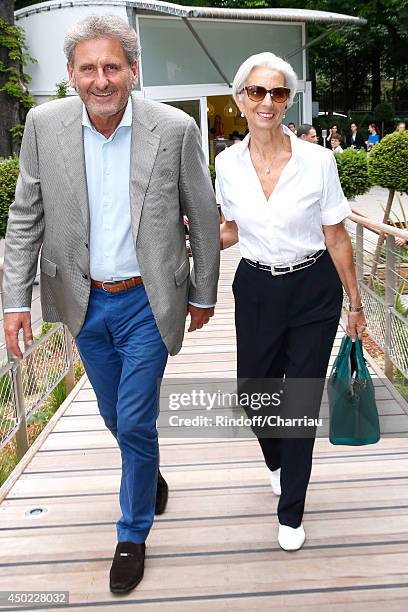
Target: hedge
8 180
388 162
353 172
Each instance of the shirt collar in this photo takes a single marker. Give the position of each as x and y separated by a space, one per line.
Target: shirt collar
126 120
242 147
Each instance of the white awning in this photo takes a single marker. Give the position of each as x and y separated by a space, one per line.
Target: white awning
189 12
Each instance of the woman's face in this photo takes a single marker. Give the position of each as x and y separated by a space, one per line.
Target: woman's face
266 114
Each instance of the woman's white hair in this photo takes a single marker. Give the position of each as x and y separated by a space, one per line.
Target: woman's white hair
269 60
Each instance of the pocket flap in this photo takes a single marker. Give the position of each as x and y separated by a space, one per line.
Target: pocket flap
182 272
48 267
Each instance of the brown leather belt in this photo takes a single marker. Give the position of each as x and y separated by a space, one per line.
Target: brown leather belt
116 286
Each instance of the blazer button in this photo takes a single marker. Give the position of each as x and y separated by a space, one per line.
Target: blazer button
85 276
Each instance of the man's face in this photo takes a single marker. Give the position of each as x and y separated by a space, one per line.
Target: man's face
311 136
335 142
292 127
102 75
401 127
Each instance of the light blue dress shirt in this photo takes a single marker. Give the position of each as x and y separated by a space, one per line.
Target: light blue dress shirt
107 163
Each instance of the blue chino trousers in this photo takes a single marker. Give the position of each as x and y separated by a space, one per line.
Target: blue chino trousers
124 357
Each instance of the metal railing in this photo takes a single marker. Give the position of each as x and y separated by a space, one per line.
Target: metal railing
26 383
382 273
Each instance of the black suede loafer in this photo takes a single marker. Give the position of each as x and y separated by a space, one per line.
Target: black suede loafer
161 495
127 567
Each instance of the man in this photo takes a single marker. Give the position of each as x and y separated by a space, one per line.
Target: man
335 143
400 127
292 127
307 132
105 179
355 139
373 137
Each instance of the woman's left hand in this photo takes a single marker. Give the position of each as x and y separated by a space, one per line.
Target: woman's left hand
356 324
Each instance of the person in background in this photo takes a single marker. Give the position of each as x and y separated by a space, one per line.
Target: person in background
335 142
307 132
332 130
373 137
283 204
355 140
292 127
401 126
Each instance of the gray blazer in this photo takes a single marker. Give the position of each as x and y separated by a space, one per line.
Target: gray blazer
168 178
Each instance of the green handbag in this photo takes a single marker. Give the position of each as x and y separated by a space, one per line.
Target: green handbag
353 411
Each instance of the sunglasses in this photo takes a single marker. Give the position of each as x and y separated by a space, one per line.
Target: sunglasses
256 93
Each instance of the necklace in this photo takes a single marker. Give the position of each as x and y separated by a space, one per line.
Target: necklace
267 168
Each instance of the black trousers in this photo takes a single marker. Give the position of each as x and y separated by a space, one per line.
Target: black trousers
286 326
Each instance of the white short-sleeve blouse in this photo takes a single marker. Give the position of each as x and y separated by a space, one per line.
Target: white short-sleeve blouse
288 226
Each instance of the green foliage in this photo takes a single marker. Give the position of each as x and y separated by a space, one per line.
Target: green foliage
5 388
57 396
12 38
353 172
8 461
62 89
384 112
8 180
45 328
401 383
211 168
79 370
388 162
17 132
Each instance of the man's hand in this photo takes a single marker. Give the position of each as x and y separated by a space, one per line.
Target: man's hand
199 316
13 322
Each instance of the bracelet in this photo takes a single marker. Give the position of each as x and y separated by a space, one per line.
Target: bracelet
356 308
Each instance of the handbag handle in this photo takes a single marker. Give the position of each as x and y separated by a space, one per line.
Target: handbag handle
352 352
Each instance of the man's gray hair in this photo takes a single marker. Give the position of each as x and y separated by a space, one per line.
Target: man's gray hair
269 60
304 129
102 26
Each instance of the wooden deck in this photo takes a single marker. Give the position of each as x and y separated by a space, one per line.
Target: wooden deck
215 548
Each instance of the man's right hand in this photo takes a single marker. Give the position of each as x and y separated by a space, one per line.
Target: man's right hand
13 322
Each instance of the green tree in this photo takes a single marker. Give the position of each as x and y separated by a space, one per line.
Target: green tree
14 97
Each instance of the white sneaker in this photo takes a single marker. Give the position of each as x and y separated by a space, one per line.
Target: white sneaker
275 481
290 538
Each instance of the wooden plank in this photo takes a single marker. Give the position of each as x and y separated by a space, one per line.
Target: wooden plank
215 547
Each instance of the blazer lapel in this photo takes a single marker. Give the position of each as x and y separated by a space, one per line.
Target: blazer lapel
72 148
145 146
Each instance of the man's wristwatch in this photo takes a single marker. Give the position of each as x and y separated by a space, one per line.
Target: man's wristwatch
356 308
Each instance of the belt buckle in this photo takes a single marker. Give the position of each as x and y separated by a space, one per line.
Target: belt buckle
107 282
275 273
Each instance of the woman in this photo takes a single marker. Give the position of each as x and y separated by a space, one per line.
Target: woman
282 201
355 139
332 130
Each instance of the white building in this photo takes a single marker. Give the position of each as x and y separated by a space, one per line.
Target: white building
189 54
